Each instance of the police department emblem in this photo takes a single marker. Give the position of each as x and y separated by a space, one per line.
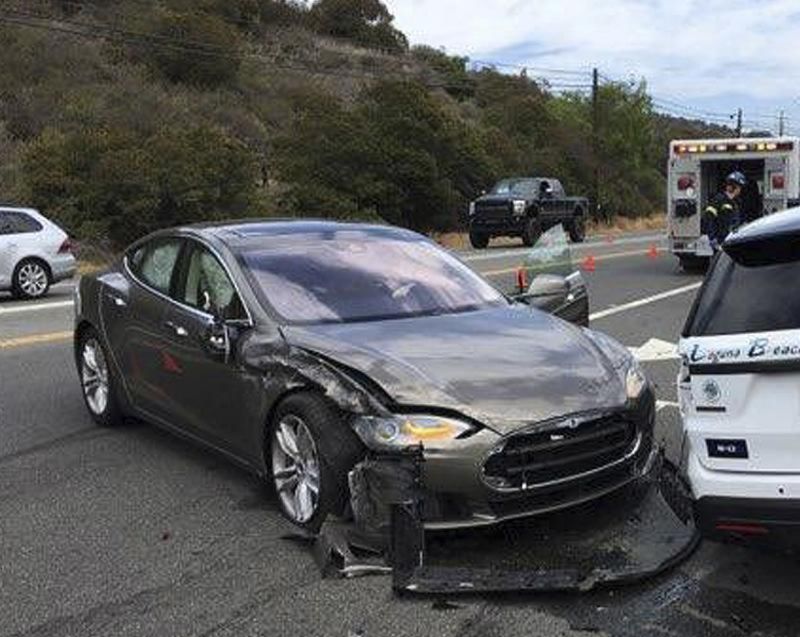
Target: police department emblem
711 391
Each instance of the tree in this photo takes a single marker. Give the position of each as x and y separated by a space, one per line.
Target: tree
365 22
116 185
198 49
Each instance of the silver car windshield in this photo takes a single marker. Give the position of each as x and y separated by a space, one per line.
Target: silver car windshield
356 276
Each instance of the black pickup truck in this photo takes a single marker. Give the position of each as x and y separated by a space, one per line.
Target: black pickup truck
525 207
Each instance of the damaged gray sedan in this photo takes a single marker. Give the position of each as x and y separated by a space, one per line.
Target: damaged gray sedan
302 349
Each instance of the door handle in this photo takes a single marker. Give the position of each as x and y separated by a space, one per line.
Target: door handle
178 329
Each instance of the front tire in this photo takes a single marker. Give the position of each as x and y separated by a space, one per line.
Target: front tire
31 279
97 381
311 451
478 240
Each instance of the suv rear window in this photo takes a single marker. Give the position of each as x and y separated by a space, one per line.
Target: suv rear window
738 298
18 223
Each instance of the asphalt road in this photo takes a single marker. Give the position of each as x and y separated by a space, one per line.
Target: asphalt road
133 532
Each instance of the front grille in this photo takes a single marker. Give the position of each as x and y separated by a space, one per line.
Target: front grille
493 210
529 502
556 454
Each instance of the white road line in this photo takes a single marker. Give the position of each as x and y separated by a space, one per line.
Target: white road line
663 404
645 301
38 307
488 256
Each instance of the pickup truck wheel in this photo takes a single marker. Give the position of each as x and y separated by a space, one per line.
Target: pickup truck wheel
577 227
532 232
479 240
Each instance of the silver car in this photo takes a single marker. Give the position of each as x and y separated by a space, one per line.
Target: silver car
34 253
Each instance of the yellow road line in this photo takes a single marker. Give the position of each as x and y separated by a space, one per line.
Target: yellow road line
35 339
576 262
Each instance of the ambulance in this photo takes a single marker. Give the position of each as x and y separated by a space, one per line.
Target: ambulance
697 170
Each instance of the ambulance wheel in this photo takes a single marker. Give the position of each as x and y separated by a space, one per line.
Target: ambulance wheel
692 264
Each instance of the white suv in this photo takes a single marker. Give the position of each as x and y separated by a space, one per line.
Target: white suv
739 386
34 253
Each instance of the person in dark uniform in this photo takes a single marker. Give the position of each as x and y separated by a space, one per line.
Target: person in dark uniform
752 206
722 215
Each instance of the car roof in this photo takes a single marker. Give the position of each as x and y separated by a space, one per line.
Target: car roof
250 231
776 225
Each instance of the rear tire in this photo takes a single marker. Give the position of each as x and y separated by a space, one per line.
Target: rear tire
532 232
577 227
311 451
693 265
478 240
97 380
31 279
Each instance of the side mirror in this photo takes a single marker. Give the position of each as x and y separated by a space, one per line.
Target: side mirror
218 339
549 286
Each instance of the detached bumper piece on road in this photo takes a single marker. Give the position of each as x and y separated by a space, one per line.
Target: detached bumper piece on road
627 537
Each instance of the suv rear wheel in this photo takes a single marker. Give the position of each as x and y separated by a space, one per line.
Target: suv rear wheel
31 279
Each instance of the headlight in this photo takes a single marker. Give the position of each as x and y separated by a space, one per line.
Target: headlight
519 207
400 431
635 382
471 208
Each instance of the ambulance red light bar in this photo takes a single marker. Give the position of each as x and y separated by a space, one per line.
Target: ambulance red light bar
737 147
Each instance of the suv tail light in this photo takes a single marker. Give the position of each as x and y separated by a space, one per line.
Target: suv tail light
778 181
66 247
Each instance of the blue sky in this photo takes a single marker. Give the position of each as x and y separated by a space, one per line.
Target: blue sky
710 55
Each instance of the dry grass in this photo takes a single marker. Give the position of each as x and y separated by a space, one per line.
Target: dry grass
621 225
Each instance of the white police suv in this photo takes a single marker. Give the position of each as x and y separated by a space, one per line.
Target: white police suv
739 386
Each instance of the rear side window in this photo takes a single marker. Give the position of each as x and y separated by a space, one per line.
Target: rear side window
154 262
738 299
18 223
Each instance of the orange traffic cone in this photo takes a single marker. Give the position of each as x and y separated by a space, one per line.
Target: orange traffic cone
522 279
589 264
652 253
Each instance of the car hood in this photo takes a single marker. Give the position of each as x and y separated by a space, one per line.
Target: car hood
505 367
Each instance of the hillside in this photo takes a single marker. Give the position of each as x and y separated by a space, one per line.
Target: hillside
119 117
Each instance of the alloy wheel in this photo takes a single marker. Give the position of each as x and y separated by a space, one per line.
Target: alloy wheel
32 279
296 468
94 376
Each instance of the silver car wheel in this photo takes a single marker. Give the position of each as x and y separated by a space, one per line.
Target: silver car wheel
32 279
94 376
295 468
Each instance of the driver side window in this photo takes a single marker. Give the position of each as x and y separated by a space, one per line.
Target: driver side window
208 288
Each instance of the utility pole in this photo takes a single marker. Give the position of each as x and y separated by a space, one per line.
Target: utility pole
596 142
781 122
739 123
